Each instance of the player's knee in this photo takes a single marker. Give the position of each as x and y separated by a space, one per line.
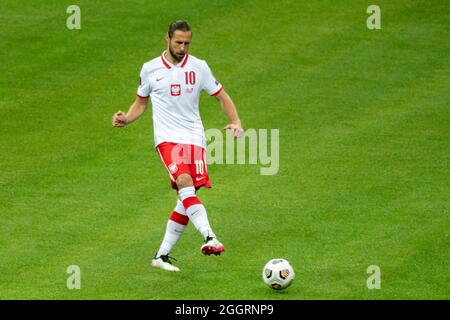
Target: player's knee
184 180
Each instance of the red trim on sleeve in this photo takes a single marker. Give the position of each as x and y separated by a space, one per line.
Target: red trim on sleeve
185 60
179 218
217 92
165 63
142 96
190 202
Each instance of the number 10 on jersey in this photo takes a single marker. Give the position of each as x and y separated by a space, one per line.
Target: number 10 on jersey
190 77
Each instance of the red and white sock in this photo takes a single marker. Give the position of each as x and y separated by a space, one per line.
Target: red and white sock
196 211
178 221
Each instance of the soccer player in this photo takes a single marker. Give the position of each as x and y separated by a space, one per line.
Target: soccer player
174 82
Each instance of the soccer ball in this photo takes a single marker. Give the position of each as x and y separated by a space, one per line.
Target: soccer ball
278 274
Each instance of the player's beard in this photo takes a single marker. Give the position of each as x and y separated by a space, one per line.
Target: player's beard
173 54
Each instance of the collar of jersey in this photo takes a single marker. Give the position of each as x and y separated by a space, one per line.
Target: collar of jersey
169 65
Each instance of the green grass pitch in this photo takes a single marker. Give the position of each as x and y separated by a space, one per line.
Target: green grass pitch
363 117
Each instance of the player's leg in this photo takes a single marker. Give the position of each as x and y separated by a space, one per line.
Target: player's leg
180 162
174 228
197 214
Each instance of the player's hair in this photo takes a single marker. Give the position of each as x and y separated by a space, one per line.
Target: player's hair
178 25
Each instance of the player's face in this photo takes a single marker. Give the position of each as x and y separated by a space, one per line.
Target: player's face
178 45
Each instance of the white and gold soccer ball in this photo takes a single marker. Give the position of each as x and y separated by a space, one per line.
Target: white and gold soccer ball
278 274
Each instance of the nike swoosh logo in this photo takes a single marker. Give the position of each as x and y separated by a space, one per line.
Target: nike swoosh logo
159 79
198 179
195 212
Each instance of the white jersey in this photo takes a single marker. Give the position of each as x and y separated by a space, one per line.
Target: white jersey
175 91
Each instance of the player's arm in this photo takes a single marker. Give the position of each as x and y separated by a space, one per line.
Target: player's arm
139 106
230 111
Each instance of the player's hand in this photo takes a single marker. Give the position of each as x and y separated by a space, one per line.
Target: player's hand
119 119
236 129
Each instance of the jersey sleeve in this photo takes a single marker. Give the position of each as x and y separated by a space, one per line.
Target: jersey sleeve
210 84
144 88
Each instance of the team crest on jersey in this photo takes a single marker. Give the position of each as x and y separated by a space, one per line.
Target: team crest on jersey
173 167
175 89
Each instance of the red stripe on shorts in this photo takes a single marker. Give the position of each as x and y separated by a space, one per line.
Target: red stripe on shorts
179 218
190 202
